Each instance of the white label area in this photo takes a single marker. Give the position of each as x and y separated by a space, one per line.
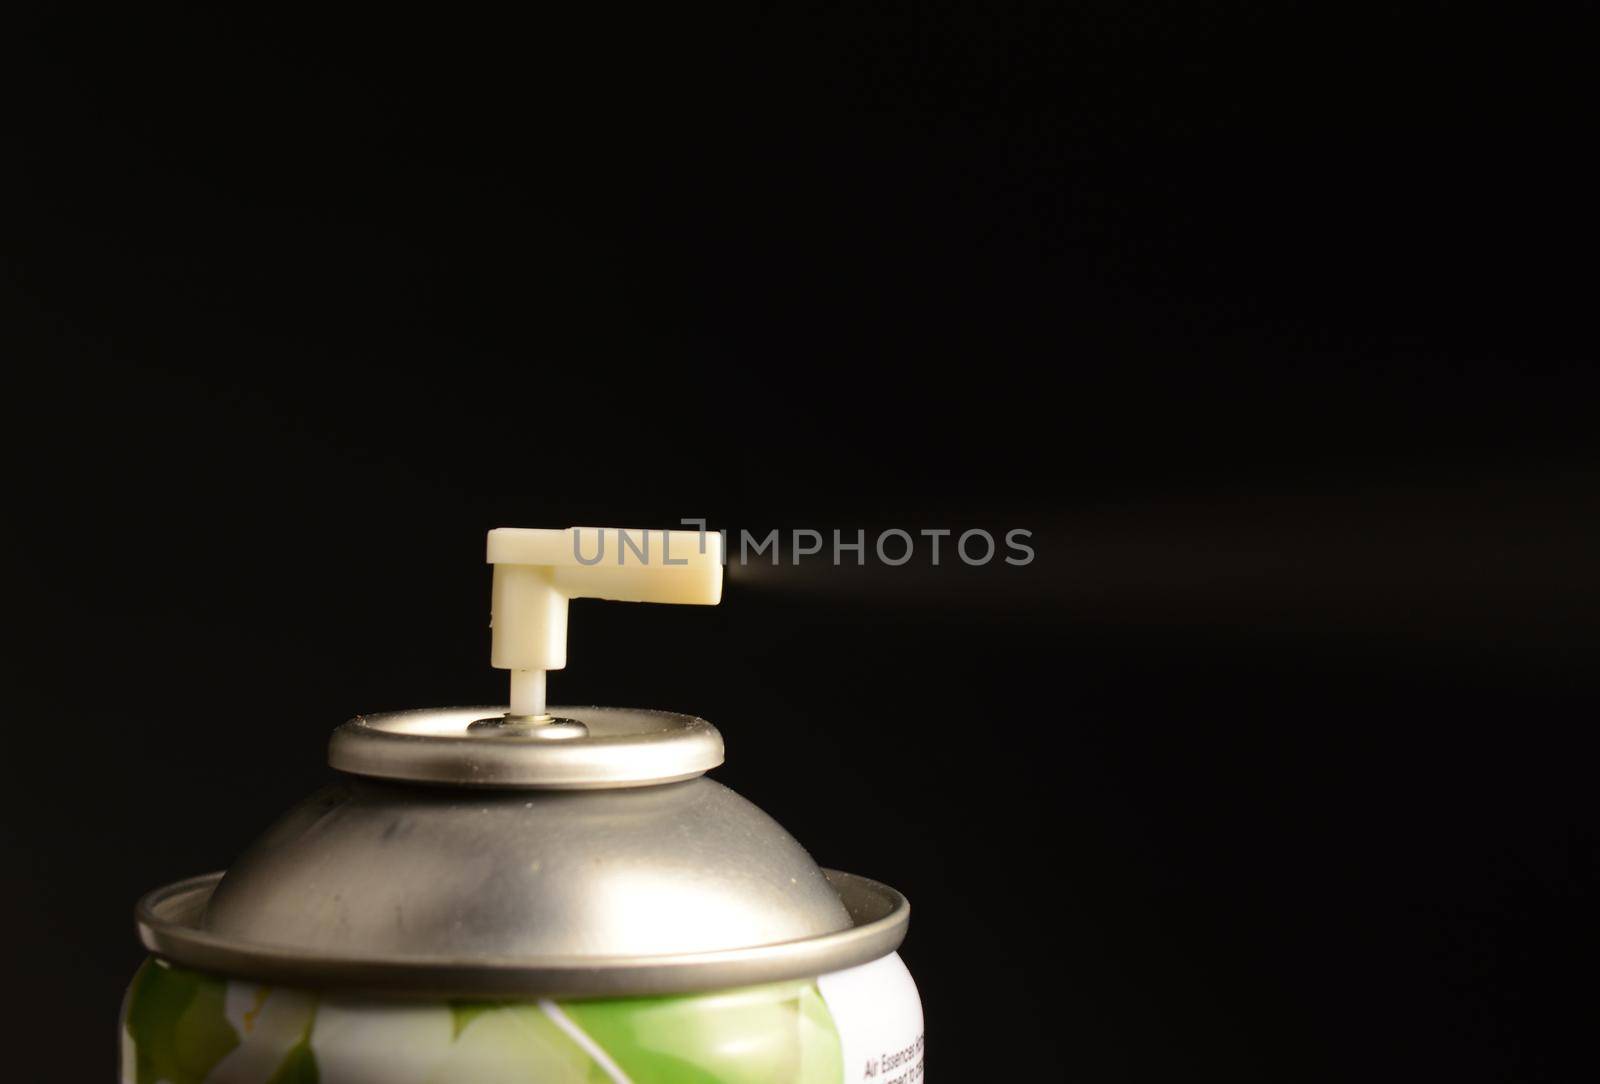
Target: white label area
879 1017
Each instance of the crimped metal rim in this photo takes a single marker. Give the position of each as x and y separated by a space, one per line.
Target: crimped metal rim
627 747
168 922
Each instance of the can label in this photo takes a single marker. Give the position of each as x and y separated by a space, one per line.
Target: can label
859 1026
878 1017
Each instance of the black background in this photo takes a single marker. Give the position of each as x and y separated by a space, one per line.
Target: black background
1275 327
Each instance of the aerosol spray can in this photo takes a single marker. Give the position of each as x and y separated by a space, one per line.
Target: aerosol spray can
533 894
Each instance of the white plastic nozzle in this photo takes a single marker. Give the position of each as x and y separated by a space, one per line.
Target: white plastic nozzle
537 571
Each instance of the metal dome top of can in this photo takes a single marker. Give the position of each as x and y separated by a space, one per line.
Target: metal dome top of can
497 852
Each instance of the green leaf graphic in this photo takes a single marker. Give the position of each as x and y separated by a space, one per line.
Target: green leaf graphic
299 1066
463 1013
176 1020
778 1034
495 1037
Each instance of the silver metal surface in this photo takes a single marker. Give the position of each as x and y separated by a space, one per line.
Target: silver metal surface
541 727
587 747
171 926
576 854
386 870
